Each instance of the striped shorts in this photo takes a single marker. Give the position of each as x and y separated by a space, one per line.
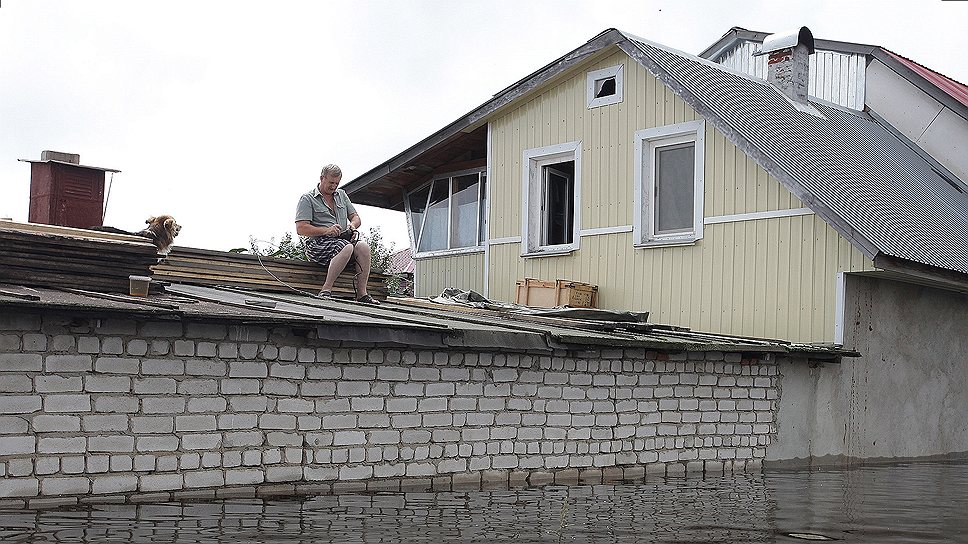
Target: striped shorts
322 249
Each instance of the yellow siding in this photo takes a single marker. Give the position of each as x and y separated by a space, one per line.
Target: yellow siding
770 277
773 278
465 271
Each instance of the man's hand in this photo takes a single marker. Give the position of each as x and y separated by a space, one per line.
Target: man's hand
333 230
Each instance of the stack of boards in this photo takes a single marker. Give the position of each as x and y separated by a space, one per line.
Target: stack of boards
63 257
207 267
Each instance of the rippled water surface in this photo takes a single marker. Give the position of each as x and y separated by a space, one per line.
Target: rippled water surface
908 503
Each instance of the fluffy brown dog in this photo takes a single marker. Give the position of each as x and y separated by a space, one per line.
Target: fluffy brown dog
162 230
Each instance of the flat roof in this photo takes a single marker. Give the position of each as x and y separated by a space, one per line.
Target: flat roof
417 323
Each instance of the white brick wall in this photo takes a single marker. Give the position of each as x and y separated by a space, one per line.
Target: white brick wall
117 406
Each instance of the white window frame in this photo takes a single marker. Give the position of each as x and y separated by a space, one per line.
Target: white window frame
531 187
481 172
618 72
648 141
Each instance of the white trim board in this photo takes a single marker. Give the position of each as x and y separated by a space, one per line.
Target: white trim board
502 241
753 216
839 309
605 230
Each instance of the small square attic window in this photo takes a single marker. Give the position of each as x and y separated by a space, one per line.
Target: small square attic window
605 86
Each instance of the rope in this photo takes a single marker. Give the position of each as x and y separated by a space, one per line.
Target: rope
258 254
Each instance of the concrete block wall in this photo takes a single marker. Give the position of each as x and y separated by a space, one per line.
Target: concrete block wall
96 407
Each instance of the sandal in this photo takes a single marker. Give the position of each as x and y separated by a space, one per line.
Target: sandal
367 299
325 294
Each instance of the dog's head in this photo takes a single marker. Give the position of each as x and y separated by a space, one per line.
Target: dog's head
163 224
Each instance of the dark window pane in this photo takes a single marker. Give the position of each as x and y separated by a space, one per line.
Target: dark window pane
604 87
434 235
464 212
482 218
675 188
558 204
418 205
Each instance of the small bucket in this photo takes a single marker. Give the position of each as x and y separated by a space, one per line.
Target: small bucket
138 285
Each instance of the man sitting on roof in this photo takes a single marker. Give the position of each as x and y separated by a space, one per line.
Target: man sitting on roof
329 219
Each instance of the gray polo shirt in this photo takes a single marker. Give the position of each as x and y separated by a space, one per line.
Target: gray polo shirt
312 208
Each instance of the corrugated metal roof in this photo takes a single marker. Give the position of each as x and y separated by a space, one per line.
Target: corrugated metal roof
856 174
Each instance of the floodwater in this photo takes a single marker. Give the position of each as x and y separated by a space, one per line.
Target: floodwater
913 503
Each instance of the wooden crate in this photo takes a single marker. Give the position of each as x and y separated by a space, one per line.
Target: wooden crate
549 294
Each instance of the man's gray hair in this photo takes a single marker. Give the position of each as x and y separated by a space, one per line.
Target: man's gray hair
331 170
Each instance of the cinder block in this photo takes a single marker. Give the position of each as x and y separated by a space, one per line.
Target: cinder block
50 423
295 405
157 443
248 369
89 345
65 486
339 421
166 367
184 348
152 424
304 355
346 438
295 372
284 473
206 404
107 384
155 386
67 403
240 386
117 365
69 363
11 383
115 444
245 476
17 445
201 441
35 342
160 482
114 484
19 487
195 423
21 362
278 421
75 444
318 389
163 405
99 422
198 387
10 342
160 347
137 347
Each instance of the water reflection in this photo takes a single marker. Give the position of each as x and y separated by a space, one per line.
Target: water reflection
914 503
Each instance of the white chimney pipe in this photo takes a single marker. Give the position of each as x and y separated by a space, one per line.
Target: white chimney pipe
788 64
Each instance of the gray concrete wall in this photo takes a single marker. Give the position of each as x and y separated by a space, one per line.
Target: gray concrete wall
905 397
96 407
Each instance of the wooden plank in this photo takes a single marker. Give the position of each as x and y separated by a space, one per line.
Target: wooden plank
68 231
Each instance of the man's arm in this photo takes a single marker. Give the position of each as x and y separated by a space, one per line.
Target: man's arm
305 228
355 221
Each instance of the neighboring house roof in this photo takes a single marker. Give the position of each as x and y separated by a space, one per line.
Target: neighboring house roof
942 88
873 187
402 261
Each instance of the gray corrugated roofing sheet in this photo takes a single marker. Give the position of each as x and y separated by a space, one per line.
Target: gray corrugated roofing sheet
855 173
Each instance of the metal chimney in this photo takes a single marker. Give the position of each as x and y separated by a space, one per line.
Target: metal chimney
788 64
64 192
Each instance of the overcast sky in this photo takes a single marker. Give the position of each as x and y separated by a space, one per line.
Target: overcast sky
221 113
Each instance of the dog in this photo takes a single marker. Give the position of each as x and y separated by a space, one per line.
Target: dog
162 230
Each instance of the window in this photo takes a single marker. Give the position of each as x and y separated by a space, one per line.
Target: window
448 213
551 185
605 86
669 184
